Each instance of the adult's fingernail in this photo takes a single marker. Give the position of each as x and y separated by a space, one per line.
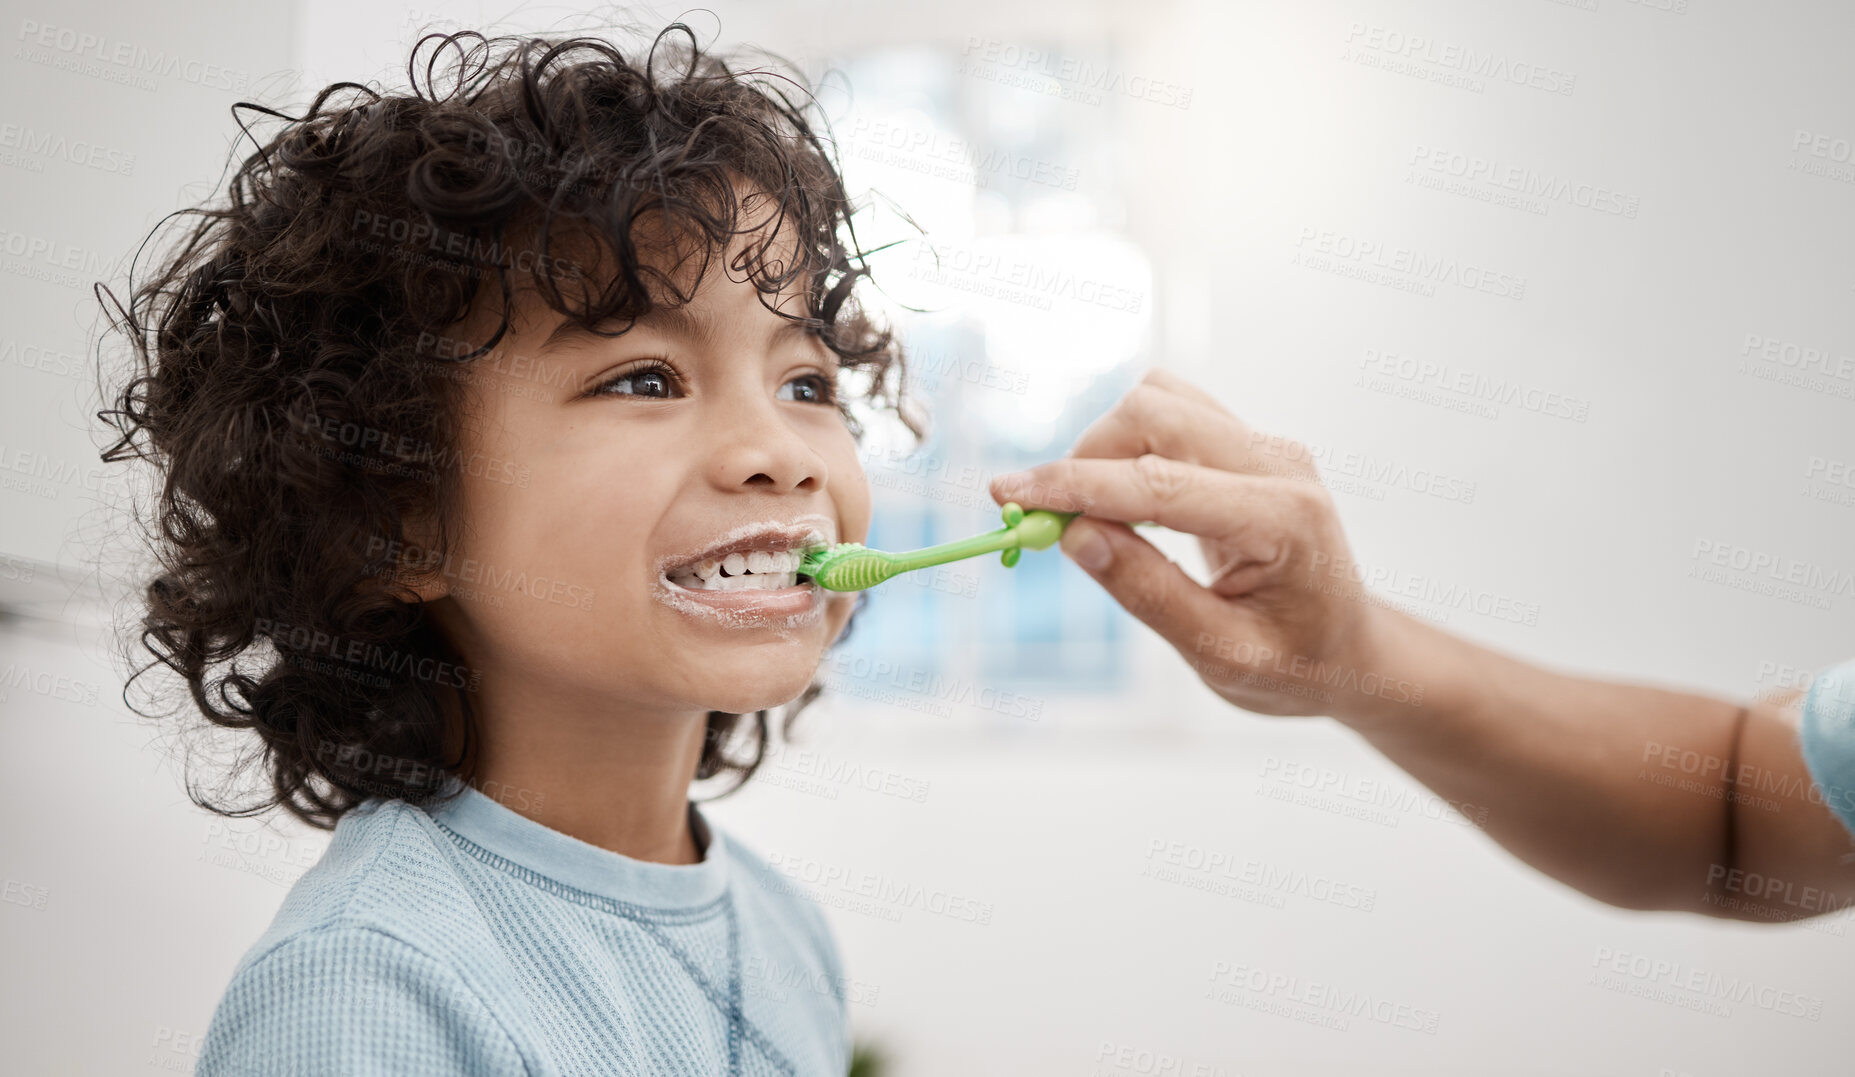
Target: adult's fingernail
1086 546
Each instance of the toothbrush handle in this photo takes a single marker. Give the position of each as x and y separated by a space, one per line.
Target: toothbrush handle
1043 530
1004 538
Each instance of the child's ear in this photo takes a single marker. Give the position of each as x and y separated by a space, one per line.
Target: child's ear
430 585
420 565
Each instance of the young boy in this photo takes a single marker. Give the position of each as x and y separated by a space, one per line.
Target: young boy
492 416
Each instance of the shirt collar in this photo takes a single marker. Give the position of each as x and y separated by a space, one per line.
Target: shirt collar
525 843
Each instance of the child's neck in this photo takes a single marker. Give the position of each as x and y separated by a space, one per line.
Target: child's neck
615 781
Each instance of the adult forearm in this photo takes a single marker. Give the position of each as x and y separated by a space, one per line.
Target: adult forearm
1618 790
1638 796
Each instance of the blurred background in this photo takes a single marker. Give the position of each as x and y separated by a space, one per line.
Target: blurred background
1558 292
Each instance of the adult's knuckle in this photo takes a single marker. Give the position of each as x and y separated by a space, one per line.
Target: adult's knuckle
1163 478
1313 501
1065 490
1144 399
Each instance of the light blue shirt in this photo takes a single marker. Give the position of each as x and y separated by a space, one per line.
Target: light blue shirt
470 939
1828 738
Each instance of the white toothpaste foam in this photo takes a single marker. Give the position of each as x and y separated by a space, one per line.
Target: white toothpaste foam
678 599
825 525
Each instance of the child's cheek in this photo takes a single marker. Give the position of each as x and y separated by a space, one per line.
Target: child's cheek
850 490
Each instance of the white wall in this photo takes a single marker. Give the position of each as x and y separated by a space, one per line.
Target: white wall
1692 114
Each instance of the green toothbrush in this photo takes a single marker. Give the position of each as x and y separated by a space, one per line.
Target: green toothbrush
852 566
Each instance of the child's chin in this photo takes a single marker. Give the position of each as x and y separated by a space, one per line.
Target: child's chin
754 691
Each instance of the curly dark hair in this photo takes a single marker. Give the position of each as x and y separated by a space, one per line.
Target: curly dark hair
306 303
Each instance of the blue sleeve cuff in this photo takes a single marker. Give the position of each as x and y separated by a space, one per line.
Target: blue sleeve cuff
1828 739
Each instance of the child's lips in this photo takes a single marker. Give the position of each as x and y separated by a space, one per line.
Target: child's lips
795 599
803 533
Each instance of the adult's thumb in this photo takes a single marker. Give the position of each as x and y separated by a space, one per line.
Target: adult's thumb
1085 543
1143 580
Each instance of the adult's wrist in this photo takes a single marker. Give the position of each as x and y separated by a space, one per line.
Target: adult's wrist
1401 675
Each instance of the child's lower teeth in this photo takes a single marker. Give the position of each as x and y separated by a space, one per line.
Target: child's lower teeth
752 581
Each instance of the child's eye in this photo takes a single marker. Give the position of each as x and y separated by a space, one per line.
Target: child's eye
818 389
653 378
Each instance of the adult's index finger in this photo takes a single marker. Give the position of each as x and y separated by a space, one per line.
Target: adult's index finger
1184 497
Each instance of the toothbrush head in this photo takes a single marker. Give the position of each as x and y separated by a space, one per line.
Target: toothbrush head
846 566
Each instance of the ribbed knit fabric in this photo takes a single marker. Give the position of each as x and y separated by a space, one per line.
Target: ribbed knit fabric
1827 738
470 939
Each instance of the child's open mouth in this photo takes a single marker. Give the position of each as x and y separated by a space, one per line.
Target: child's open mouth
765 587
756 570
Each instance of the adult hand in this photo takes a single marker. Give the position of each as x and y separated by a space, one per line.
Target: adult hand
1279 626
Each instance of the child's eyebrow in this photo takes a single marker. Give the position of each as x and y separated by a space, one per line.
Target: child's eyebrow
679 322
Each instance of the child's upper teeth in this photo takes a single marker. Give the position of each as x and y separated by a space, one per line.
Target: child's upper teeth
770 569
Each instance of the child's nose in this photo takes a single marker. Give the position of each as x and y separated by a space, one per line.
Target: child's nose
758 448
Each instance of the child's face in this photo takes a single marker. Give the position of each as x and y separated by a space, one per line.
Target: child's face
601 467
